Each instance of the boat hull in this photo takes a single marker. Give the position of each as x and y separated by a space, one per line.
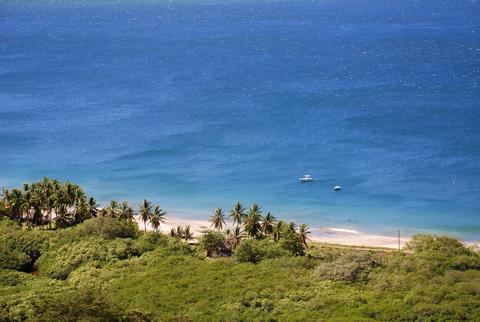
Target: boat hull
305 180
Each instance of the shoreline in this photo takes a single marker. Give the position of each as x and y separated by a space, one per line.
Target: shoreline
329 235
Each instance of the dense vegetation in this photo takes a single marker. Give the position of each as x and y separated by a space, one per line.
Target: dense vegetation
106 269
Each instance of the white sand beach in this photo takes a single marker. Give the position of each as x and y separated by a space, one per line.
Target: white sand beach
333 235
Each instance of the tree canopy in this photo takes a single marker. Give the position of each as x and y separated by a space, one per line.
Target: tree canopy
104 268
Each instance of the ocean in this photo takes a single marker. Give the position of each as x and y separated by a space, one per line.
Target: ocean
196 105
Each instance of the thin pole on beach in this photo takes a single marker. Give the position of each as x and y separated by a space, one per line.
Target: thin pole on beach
399 240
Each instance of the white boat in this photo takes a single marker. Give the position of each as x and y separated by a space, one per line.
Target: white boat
306 178
337 188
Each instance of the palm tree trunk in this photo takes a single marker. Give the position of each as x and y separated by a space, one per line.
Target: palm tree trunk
145 223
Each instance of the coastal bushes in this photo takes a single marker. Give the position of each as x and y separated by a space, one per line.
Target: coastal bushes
158 277
53 205
104 268
19 249
47 300
421 243
351 267
151 240
291 241
253 251
104 227
465 262
13 278
59 263
212 242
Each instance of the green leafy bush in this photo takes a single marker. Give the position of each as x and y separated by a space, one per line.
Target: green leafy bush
290 241
14 278
212 242
291 262
59 263
47 301
20 249
151 240
137 315
252 250
103 279
249 251
176 246
464 262
105 227
351 267
437 244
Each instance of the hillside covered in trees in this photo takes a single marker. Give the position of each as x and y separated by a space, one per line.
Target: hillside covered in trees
59 263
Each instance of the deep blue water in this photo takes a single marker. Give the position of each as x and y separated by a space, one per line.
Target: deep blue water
197 106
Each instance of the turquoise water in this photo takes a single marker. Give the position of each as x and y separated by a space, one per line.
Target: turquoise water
196 106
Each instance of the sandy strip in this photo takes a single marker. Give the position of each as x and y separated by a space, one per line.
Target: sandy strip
355 238
331 235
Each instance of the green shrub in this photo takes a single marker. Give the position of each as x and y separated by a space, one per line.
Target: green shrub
137 315
177 246
290 241
252 250
464 262
11 257
351 267
59 263
151 240
212 242
105 281
14 278
20 249
105 227
291 262
46 301
437 244
249 251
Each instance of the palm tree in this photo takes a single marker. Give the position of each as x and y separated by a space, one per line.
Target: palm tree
177 232
267 224
70 193
187 234
4 202
255 208
49 205
145 212
15 201
63 217
81 212
235 236
35 203
5 194
26 205
303 233
113 209
292 226
125 212
237 213
79 195
218 219
157 218
277 230
92 207
252 222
